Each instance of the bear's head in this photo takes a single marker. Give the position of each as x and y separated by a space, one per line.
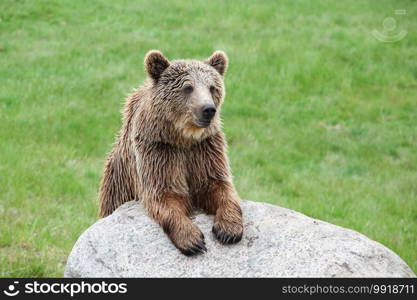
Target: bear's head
188 93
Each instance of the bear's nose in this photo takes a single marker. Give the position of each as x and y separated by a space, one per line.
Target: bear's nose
208 111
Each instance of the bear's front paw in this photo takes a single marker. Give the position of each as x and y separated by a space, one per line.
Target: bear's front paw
228 232
189 241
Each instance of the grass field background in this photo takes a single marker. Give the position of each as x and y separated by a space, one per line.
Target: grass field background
320 116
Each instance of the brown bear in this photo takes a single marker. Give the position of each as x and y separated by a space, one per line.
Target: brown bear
171 152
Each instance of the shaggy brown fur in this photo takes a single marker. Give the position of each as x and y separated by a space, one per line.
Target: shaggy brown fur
167 158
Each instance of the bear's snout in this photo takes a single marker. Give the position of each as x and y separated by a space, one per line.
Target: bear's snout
207 113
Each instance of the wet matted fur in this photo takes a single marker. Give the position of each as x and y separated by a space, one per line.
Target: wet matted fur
164 157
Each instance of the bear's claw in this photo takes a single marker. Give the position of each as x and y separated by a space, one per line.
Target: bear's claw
197 248
225 237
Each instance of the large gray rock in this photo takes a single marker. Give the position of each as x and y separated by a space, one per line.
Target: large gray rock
277 242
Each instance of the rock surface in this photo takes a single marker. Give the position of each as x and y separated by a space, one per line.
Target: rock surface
277 242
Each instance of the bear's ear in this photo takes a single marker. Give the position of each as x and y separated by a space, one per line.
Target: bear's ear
155 64
219 61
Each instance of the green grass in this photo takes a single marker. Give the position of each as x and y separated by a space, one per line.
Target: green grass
320 116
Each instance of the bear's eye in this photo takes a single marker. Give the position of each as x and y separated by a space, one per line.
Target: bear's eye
188 89
212 89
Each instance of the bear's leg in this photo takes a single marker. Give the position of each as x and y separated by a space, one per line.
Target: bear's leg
171 212
118 183
214 191
165 194
223 201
